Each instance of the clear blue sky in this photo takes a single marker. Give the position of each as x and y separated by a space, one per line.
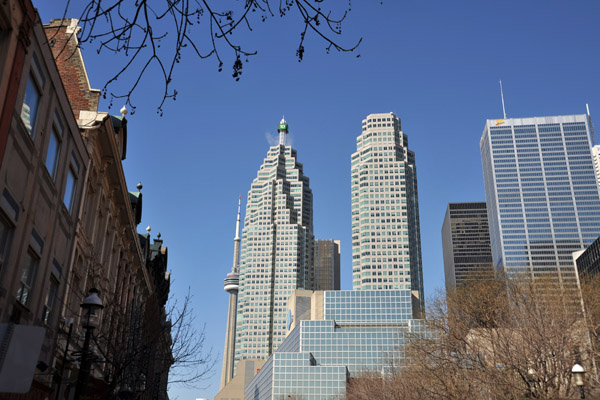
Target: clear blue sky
435 64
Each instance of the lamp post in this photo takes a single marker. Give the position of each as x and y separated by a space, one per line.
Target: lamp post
578 373
68 322
90 320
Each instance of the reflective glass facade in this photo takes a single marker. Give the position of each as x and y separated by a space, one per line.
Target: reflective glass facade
541 193
466 244
276 252
361 330
327 264
386 241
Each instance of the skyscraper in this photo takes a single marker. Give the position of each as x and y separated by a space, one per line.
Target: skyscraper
327 264
386 242
277 250
466 244
232 285
541 193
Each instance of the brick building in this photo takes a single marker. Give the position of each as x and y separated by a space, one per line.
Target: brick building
68 223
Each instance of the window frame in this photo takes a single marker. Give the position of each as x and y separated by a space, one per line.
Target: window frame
72 171
37 79
57 132
24 292
5 247
51 297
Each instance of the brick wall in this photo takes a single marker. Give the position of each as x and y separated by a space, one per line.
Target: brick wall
62 38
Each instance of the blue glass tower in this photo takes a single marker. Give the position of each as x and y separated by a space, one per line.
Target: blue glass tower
541 193
358 331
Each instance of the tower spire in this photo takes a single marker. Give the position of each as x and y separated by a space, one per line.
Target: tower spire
283 131
232 285
502 95
236 240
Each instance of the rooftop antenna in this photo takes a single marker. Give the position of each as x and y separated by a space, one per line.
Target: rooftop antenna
502 95
589 117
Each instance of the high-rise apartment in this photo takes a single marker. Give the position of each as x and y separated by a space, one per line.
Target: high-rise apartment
466 244
386 242
541 192
327 264
277 250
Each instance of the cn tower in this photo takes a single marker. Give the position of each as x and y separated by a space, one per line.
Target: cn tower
232 284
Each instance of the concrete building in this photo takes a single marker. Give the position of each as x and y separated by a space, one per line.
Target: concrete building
232 285
336 335
277 250
386 241
327 264
466 244
541 193
42 175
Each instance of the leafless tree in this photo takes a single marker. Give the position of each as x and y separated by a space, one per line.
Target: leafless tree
157 34
501 339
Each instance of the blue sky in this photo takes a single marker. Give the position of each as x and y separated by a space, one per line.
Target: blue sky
435 64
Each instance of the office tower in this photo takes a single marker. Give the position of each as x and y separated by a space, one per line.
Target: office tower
466 244
232 285
327 264
386 243
587 261
277 250
337 335
541 193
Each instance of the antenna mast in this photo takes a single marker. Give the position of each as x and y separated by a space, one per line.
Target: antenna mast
589 117
502 95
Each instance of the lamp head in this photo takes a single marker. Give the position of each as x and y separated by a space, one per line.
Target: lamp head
578 373
92 305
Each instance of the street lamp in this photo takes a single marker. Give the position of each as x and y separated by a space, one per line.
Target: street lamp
92 306
578 373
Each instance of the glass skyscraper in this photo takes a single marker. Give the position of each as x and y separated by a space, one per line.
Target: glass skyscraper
327 264
276 252
386 242
541 192
466 244
359 331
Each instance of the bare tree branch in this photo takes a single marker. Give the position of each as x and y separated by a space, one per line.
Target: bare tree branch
155 34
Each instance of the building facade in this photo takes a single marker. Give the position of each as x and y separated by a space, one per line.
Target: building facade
386 240
466 244
276 252
345 334
108 254
17 18
41 185
327 264
588 261
541 193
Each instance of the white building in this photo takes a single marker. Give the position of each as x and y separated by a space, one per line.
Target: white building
386 240
277 251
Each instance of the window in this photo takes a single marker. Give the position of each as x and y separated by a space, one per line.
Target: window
50 300
69 197
54 146
5 238
31 101
28 277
